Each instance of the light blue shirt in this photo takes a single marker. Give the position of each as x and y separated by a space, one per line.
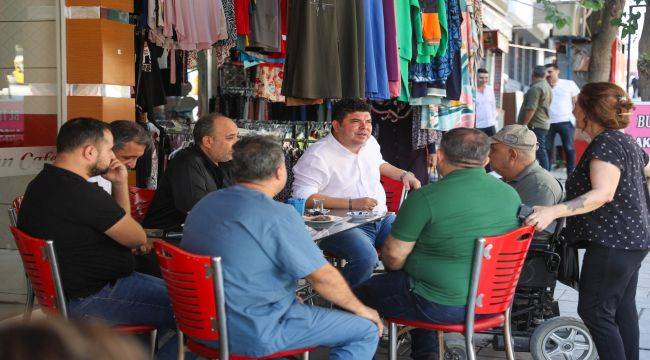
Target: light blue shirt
265 248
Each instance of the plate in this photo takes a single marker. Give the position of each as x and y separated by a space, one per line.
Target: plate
360 215
312 220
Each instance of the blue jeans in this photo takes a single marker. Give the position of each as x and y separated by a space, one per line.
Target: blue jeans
566 131
392 296
348 337
135 299
358 247
541 154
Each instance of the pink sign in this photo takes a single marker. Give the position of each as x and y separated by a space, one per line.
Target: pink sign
639 127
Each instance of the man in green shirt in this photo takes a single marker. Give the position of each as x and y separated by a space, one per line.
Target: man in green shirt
429 252
534 112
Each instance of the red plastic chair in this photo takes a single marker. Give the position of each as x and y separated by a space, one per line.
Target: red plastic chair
42 269
395 193
140 200
195 286
497 264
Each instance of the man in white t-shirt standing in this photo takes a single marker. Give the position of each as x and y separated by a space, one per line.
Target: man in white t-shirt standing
565 95
486 105
343 171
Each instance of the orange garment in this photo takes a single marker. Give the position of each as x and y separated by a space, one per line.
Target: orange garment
431 31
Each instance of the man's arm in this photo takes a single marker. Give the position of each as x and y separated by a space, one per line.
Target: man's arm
527 116
531 102
328 282
127 232
394 253
330 202
397 174
119 178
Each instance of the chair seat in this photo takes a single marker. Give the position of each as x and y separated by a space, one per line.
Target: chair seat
479 324
212 353
134 329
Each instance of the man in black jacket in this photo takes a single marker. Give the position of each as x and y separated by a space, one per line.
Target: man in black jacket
194 172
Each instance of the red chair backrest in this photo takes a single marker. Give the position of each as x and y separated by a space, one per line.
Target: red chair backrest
140 200
394 193
190 283
39 264
503 259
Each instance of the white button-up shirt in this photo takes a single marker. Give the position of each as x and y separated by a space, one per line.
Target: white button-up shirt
486 108
103 183
329 169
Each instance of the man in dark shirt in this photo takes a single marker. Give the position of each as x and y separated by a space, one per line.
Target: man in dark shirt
93 232
194 172
534 112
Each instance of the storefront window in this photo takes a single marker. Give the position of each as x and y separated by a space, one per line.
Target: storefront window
29 95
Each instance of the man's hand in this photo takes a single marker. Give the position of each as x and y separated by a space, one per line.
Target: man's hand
411 182
372 315
146 248
366 204
117 173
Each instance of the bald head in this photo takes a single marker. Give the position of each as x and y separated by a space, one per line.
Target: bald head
215 134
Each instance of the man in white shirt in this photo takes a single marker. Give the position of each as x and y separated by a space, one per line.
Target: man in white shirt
565 95
130 140
343 171
486 105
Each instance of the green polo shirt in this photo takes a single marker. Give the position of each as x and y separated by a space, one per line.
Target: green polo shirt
537 98
444 219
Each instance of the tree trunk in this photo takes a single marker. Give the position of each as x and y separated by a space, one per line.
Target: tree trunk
603 34
643 64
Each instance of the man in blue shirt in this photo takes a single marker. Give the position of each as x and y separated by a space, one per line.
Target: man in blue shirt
265 249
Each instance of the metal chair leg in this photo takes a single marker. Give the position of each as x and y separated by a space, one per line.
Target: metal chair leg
152 343
442 348
181 346
29 303
510 351
469 344
392 341
305 356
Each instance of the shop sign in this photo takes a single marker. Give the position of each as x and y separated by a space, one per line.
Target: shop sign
20 161
12 123
639 127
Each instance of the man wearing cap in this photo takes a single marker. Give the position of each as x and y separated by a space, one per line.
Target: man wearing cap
512 155
534 112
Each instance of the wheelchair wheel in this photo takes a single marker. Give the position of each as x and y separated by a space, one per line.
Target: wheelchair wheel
455 350
562 338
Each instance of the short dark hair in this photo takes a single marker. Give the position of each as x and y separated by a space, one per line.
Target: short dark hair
465 147
204 126
256 158
539 71
482 71
552 65
80 132
125 131
342 108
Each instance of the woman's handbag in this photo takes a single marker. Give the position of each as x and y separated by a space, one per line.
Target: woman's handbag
568 272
